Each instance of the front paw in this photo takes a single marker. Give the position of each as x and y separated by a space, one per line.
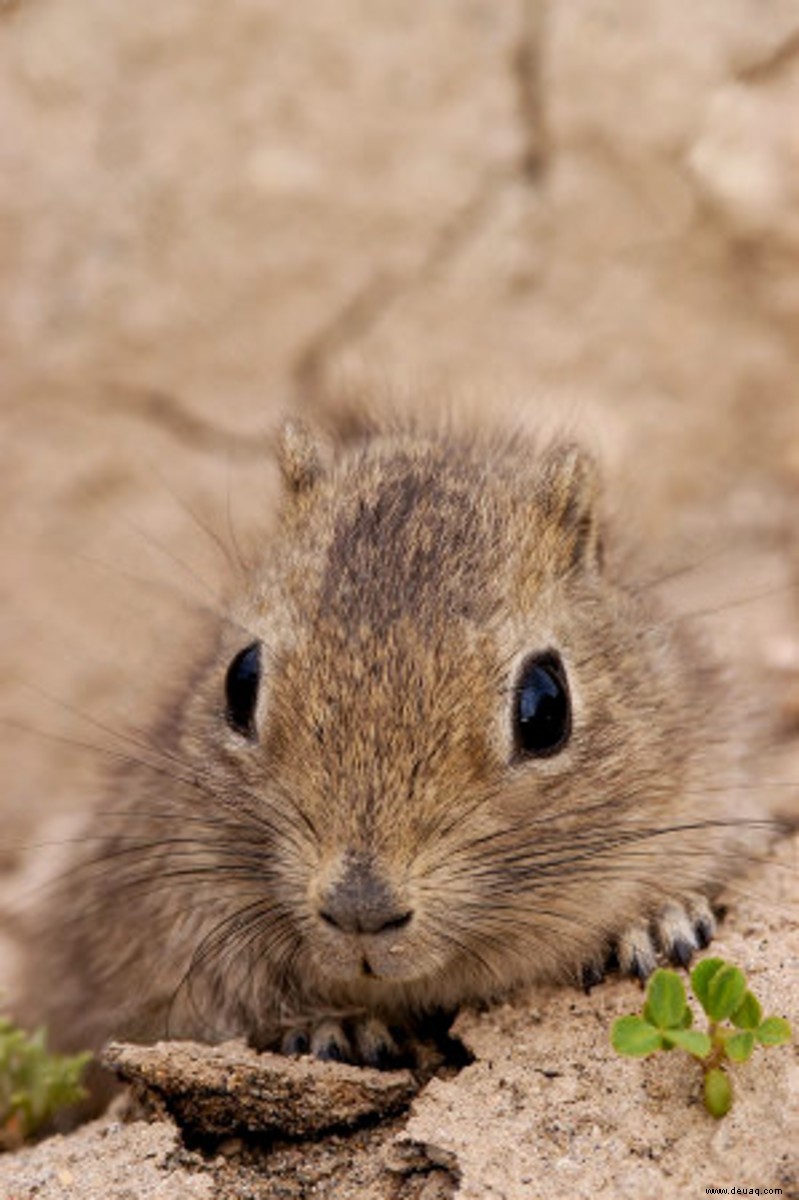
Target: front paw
364 1041
675 933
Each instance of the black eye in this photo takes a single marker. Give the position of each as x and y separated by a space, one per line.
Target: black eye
542 719
241 690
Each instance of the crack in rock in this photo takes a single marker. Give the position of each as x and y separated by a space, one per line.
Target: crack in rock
165 411
771 64
370 304
530 90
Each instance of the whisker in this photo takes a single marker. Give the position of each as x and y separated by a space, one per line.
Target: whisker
165 587
737 602
155 543
245 568
204 527
220 943
130 735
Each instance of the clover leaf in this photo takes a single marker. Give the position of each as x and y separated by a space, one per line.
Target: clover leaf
667 1019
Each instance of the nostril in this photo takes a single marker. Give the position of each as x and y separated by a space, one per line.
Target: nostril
398 922
366 921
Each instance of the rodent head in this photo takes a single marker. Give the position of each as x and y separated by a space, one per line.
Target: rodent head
441 716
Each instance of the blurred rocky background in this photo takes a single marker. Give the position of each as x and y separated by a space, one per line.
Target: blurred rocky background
580 213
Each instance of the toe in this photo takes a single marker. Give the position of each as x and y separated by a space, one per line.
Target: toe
375 1046
703 921
295 1043
674 931
329 1042
682 929
636 952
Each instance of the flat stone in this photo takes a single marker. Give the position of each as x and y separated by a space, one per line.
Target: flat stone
230 1088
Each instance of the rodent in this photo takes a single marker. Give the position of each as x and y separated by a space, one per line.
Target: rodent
438 751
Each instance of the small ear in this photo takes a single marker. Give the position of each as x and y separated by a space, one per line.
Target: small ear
570 498
300 456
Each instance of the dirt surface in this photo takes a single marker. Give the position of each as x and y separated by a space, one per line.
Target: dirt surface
581 214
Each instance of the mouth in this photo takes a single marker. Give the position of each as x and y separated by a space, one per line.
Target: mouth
364 958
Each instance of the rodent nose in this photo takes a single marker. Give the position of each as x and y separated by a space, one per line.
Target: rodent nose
360 901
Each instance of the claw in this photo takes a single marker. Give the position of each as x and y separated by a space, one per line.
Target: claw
704 930
681 952
591 976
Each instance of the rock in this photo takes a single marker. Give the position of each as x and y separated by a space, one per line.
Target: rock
216 1090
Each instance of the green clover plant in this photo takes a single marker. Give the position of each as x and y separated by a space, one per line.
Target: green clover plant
735 1025
34 1083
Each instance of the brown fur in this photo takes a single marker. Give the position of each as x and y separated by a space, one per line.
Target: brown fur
403 586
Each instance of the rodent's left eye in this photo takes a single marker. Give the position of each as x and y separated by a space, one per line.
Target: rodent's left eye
241 690
542 719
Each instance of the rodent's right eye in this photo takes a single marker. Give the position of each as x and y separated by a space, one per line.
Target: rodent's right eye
541 707
241 690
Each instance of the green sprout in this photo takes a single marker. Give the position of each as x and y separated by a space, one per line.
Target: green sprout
735 1025
34 1083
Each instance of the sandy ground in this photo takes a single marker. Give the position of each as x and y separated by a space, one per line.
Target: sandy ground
573 214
